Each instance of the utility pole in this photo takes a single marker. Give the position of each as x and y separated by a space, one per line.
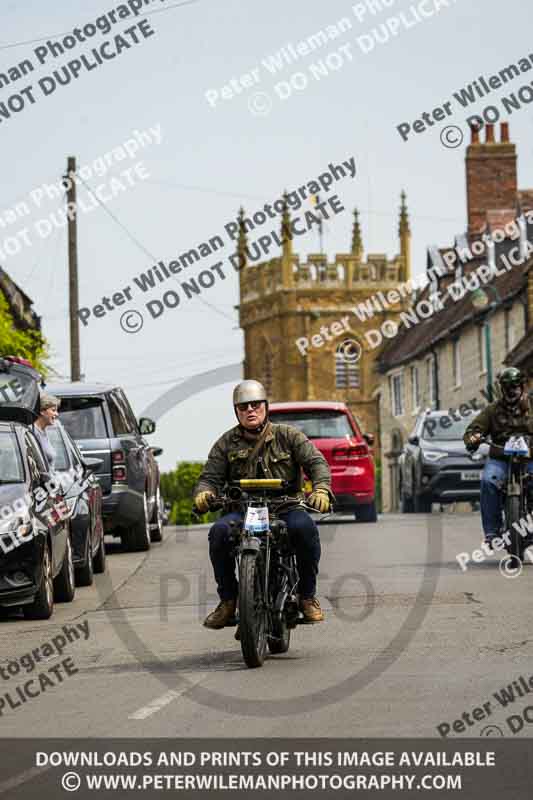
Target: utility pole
70 183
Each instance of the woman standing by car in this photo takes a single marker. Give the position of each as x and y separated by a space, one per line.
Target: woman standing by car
49 412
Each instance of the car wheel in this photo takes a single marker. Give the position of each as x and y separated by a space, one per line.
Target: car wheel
138 537
423 504
43 602
64 583
85 574
99 558
367 512
156 526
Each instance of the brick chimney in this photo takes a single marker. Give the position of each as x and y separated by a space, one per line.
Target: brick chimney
491 179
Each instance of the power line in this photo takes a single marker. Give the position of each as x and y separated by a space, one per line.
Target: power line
241 195
142 247
66 33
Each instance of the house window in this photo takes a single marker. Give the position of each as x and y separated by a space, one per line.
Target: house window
431 382
456 362
509 331
415 389
347 374
482 352
397 396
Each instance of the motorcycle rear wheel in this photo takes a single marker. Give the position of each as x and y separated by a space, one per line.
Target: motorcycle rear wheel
252 610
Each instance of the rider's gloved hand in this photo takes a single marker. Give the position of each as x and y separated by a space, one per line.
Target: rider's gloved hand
202 500
319 500
473 442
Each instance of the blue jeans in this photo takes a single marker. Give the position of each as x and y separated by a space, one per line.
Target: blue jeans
304 537
492 482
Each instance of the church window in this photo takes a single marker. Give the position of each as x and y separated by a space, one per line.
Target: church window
347 373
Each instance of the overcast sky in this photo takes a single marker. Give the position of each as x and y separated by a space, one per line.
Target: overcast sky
212 160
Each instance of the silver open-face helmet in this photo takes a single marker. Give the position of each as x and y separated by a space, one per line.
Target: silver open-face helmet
249 392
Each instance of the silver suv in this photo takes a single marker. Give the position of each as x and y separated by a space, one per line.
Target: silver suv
100 420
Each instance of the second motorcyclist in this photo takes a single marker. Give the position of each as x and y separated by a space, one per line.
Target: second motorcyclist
511 415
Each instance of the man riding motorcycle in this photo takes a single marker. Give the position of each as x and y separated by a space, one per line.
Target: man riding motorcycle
511 415
257 448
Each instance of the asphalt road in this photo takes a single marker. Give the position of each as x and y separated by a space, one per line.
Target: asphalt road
410 642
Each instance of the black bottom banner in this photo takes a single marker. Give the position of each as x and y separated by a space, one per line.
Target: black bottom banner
322 768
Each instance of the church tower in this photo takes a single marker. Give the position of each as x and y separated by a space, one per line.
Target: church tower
298 317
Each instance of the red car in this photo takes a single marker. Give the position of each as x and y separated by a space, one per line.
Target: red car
334 431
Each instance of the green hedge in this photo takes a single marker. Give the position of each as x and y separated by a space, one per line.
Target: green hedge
177 488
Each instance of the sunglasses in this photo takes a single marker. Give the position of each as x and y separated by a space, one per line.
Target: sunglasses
252 404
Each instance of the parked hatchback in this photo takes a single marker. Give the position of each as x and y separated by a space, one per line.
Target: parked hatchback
36 560
83 498
100 420
334 431
435 466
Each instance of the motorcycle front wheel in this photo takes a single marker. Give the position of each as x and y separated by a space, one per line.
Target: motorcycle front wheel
512 514
280 642
252 610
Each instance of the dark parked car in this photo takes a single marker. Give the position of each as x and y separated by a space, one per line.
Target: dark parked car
166 508
100 420
435 466
36 562
83 498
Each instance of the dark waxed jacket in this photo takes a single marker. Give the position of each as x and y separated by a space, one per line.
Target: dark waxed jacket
498 423
285 452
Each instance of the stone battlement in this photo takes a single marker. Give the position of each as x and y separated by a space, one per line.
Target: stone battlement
347 271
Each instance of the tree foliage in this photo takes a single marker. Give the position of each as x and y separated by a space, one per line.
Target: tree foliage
177 488
28 344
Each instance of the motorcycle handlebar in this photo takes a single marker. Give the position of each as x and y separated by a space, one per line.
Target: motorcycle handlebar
216 503
485 440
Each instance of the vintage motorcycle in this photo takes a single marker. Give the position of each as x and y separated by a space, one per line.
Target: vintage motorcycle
518 490
268 576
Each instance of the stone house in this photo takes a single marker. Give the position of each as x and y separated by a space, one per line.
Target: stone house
481 293
20 305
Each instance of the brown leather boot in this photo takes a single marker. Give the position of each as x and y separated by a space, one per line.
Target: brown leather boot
223 613
311 610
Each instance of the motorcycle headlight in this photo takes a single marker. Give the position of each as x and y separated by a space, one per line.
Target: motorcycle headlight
433 455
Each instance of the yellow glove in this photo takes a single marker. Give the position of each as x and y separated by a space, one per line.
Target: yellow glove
319 500
473 441
201 501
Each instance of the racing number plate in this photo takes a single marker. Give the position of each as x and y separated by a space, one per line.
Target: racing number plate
256 519
470 476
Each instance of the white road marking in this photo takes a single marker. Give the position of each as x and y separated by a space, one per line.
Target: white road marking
22 777
160 702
